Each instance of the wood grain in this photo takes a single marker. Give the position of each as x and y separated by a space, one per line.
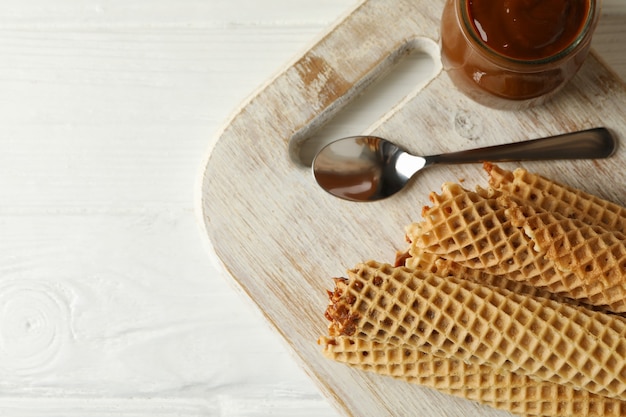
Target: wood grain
109 303
282 239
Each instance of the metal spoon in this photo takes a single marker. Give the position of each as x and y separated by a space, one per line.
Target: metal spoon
369 168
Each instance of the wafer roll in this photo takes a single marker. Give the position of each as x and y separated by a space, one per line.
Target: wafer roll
445 268
594 257
478 232
471 229
482 325
503 390
474 231
553 197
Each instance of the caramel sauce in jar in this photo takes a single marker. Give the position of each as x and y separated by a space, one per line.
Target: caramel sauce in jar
513 54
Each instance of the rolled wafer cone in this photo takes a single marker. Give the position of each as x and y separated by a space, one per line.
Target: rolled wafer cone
436 265
594 257
553 197
503 390
478 232
466 227
482 325
473 230
428 262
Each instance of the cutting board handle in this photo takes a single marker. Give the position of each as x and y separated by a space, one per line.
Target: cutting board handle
364 44
351 55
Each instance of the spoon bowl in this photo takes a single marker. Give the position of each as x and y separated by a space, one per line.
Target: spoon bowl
370 168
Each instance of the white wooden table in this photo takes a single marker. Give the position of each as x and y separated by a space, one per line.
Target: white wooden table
110 304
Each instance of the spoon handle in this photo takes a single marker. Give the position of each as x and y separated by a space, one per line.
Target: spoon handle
586 144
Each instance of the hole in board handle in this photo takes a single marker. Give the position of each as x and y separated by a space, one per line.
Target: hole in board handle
413 70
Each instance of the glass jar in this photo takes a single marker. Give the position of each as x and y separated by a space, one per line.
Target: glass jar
513 54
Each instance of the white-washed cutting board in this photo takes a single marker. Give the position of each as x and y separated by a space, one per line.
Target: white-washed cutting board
281 238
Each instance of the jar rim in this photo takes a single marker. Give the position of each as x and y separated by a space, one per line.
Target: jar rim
587 29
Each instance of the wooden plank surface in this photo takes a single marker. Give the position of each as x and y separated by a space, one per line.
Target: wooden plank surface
282 239
109 304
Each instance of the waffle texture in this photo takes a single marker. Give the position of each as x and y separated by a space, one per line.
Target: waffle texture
482 325
594 257
501 234
474 230
502 390
553 197
445 268
506 296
